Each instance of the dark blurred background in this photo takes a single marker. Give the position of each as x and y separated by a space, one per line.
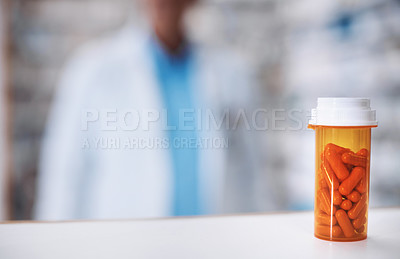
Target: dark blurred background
301 49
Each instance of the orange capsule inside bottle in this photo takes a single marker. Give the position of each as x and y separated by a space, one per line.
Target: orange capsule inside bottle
362 186
345 223
354 196
358 207
322 184
329 176
346 205
325 201
326 219
337 198
362 218
337 164
347 186
360 230
338 149
354 159
363 152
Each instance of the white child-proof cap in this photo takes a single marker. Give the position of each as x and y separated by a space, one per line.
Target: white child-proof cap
343 112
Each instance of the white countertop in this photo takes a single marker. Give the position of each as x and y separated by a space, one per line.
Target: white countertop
286 235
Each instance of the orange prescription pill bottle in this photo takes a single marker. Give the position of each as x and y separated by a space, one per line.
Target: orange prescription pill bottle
343 147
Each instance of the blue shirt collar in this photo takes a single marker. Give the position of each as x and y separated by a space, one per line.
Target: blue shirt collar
181 57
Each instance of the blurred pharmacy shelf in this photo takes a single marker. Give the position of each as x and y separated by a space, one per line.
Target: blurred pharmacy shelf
278 235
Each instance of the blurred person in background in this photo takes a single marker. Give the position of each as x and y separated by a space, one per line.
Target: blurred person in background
151 69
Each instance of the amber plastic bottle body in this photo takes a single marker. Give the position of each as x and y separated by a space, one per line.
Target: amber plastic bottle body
342 182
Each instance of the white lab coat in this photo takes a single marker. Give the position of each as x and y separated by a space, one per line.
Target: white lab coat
115 73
